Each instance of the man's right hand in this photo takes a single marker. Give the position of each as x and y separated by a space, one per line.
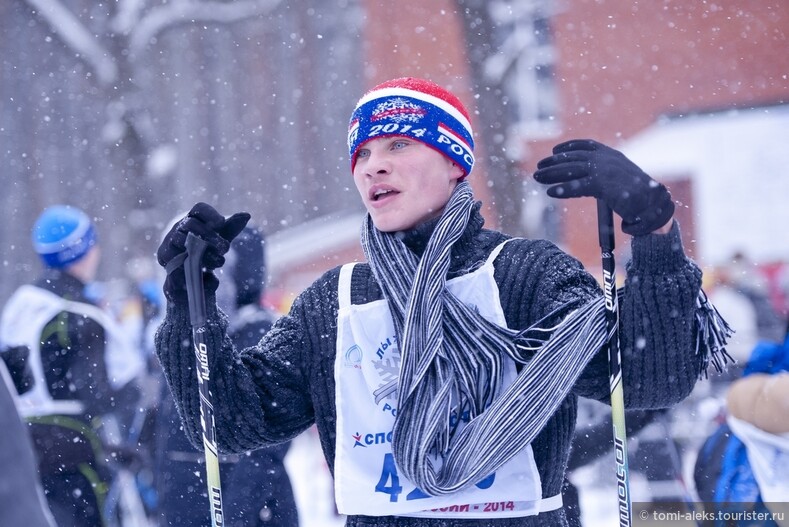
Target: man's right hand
217 231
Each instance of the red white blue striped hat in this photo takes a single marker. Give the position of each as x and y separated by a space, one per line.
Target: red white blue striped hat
414 108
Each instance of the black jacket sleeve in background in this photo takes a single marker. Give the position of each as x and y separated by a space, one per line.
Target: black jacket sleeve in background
21 496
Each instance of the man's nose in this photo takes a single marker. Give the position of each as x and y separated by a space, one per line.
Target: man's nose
378 163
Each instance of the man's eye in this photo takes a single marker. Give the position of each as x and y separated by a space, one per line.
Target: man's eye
399 144
362 153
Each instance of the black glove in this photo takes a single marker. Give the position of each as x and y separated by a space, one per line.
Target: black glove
583 167
204 221
15 358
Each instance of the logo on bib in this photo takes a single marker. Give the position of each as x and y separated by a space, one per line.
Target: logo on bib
371 439
353 357
358 438
387 368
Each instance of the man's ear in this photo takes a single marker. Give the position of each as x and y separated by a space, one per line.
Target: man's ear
457 172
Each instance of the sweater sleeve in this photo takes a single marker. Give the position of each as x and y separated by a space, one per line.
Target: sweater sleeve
657 330
258 394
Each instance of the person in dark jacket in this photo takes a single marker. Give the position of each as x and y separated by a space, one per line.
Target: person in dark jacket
658 460
742 465
83 370
444 373
22 499
256 487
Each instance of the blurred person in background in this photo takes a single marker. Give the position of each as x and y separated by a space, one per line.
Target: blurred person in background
256 488
746 459
741 296
22 500
653 452
83 370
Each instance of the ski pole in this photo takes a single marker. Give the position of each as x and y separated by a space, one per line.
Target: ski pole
605 228
195 247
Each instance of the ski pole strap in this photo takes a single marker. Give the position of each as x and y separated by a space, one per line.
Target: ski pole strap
193 267
175 263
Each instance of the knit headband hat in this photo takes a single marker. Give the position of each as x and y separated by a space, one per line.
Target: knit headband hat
62 235
414 108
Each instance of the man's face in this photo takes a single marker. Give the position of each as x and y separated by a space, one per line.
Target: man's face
403 182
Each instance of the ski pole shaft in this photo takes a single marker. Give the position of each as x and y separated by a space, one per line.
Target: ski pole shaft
605 227
195 247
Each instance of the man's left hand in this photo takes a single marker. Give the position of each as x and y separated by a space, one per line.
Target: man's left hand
583 167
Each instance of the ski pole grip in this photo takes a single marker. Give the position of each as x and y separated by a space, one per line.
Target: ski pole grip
605 226
193 267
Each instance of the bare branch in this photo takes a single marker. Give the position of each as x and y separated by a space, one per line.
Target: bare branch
77 37
126 16
192 11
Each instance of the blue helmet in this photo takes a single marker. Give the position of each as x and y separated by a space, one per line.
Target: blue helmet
62 235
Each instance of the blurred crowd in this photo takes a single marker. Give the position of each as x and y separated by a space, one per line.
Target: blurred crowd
728 443
103 444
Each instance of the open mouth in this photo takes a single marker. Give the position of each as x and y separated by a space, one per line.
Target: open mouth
382 193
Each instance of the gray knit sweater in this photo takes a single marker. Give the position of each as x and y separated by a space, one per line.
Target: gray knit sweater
271 393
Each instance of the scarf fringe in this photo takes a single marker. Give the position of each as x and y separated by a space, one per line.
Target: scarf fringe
712 335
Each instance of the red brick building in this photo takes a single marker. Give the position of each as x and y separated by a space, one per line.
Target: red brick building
622 65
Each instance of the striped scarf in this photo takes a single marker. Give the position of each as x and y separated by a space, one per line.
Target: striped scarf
452 361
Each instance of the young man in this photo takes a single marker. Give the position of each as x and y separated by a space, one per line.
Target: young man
434 404
82 367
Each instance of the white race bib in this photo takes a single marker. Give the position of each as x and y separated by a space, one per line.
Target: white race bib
27 312
367 480
769 457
